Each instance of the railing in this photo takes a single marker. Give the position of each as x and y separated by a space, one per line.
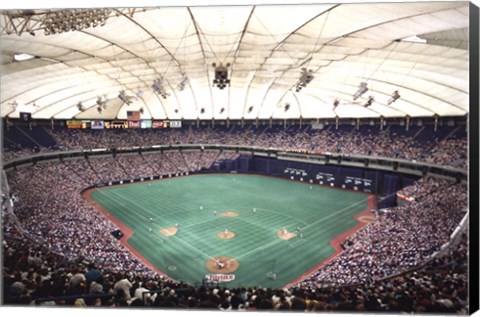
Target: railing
411 167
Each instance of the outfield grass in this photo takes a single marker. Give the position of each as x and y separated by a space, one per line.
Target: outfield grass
321 212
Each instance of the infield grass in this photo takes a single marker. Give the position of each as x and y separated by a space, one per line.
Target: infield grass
321 212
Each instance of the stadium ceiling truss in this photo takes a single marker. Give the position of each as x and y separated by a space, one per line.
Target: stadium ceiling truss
234 62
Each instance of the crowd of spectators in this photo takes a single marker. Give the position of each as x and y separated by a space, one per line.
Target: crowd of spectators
400 239
448 151
421 187
49 204
82 257
35 276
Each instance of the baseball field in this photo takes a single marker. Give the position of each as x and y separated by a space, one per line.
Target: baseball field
258 230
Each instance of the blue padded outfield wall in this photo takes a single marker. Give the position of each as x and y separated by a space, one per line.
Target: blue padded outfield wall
380 183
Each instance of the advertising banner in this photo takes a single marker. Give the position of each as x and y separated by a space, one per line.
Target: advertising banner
175 124
220 278
116 124
145 124
159 124
134 124
97 124
74 124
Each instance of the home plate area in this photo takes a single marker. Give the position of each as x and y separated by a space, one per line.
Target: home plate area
222 264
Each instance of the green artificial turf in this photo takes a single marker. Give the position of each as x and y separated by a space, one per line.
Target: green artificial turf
321 212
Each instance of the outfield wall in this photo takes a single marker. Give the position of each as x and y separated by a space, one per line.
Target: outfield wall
376 182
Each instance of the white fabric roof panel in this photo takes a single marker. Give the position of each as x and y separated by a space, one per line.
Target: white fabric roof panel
264 48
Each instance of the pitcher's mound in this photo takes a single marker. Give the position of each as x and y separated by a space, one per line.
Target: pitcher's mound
228 214
226 235
222 264
286 236
170 231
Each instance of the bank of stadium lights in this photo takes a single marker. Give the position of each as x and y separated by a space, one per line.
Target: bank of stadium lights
139 93
58 20
61 21
221 79
101 104
336 103
361 90
123 97
159 88
183 83
305 78
394 97
369 102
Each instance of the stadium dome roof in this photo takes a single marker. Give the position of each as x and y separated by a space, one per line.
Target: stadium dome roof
73 69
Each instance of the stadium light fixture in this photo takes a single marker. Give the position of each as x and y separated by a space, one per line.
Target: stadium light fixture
20 57
361 90
221 79
159 88
102 103
60 21
336 103
306 78
369 102
123 97
183 83
394 97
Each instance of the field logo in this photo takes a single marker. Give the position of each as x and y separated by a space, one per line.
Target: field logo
218 278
